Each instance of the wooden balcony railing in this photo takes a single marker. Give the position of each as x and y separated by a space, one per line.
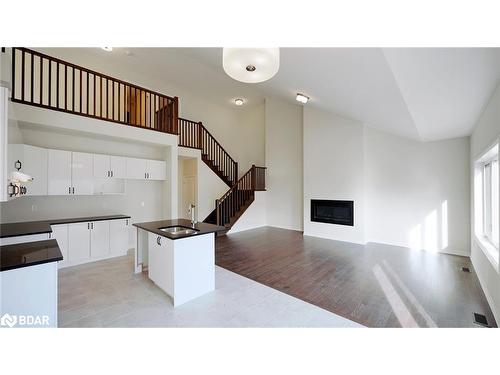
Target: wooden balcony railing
44 81
230 205
195 135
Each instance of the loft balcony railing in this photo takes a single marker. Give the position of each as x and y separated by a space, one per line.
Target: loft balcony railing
47 82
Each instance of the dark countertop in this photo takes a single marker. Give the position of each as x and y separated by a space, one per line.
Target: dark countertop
203 228
25 228
29 254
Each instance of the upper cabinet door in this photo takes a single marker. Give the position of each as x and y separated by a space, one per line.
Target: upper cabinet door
102 168
59 172
82 173
118 166
136 168
157 170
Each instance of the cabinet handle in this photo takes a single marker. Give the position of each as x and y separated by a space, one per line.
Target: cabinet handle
88 225
111 173
108 174
69 190
148 176
73 190
158 241
91 225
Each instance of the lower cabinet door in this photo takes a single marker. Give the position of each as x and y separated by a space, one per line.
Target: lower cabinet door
161 263
60 233
78 242
99 239
118 236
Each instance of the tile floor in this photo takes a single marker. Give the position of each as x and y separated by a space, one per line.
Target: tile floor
108 294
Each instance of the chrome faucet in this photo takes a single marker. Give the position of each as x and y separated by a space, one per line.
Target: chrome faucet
191 211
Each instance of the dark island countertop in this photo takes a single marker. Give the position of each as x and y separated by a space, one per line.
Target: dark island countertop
202 228
25 228
29 254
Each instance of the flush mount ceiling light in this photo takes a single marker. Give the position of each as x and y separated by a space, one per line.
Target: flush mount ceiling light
108 49
302 98
251 65
239 102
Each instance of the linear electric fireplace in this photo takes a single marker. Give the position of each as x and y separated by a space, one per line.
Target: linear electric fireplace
332 212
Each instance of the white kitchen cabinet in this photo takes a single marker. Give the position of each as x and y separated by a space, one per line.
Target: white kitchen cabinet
81 173
118 240
136 168
60 233
157 170
106 166
144 169
69 173
118 166
161 262
78 242
32 161
99 239
59 172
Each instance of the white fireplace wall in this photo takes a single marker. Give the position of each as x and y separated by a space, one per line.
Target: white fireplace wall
333 169
405 192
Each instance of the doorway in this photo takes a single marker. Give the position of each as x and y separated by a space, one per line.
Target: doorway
188 186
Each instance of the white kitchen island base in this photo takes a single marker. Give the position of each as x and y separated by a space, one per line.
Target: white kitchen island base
183 268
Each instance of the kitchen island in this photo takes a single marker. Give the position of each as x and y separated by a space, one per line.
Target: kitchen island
179 257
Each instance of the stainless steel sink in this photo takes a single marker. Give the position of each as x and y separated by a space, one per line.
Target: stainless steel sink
179 230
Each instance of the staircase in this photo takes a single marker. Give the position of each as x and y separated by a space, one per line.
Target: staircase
194 135
241 193
235 201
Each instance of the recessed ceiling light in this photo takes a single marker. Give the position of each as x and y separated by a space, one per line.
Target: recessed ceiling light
239 102
108 49
302 98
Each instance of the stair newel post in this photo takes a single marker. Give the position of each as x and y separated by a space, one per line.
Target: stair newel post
217 211
175 116
235 172
200 136
253 177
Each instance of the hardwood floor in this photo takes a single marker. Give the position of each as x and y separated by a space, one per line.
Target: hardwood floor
375 285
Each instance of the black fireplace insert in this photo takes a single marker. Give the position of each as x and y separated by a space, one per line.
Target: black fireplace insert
332 212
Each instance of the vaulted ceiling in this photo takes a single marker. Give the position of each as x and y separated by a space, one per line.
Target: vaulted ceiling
420 93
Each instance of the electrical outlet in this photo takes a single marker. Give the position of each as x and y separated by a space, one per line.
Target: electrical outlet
34 208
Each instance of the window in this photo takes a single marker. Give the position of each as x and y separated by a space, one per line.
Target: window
490 201
487 204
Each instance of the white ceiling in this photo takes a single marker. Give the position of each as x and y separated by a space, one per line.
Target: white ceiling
420 93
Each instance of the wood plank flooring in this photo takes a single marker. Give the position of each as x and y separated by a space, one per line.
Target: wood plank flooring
375 285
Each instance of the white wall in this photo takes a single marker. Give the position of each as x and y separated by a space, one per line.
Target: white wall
417 193
487 130
406 192
254 216
284 164
333 169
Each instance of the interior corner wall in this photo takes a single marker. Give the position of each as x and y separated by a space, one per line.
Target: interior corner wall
284 162
333 170
485 133
417 193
